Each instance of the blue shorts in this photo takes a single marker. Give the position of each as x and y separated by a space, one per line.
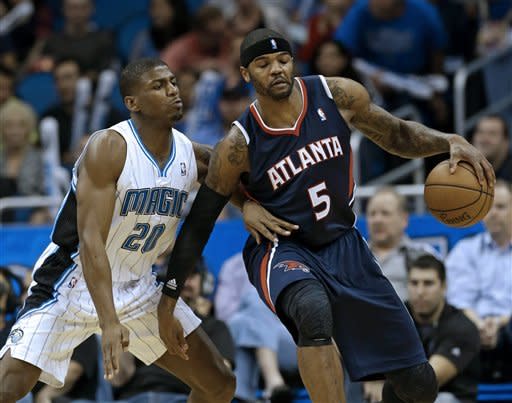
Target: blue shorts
372 328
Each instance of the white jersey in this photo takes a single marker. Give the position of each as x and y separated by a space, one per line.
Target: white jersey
148 207
59 312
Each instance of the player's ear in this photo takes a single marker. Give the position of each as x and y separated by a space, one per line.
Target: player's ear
245 74
131 103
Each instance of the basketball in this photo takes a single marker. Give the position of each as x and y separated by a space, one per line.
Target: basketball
457 200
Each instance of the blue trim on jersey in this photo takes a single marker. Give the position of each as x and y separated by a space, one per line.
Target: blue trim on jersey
62 204
59 282
148 154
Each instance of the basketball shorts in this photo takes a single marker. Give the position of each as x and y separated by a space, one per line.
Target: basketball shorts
54 321
372 328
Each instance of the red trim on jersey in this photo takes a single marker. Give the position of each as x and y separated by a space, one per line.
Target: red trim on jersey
286 131
263 279
350 176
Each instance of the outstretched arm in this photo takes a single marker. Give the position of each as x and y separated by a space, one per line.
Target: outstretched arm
405 138
99 170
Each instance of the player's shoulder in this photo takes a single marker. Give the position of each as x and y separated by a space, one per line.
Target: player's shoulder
181 138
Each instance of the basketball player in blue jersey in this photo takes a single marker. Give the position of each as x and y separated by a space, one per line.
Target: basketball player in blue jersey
291 149
126 199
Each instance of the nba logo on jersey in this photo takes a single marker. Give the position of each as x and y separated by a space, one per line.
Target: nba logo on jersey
321 113
183 168
273 44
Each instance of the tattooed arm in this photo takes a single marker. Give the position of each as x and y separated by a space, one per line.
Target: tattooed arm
405 138
203 155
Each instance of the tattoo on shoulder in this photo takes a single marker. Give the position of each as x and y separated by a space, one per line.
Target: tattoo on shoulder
237 149
343 99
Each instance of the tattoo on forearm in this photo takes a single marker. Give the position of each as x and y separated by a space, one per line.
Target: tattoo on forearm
405 138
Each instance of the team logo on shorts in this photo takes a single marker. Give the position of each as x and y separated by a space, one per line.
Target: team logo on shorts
72 282
291 265
16 335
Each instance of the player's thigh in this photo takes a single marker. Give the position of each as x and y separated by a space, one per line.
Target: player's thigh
205 369
17 377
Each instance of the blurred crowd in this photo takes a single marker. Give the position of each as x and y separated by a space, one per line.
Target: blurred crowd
59 66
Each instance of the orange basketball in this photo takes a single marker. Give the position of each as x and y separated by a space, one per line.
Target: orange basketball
457 200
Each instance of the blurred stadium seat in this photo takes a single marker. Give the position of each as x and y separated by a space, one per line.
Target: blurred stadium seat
107 18
38 89
127 34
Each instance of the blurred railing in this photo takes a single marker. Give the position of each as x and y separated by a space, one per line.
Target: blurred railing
503 56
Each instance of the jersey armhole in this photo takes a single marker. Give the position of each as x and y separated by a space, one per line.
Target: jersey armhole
326 87
242 129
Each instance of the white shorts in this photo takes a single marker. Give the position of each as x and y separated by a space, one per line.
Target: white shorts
46 336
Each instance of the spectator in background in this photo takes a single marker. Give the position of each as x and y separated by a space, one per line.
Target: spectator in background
79 40
135 378
66 74
206 47
387 219
331 59
479 271
322 25
6 84
403 36
81 379
451 341
248 15
492 138
263 346
460 21
169 20
21 164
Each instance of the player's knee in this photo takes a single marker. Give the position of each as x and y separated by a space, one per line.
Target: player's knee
306 304
224 389
14 383
416 384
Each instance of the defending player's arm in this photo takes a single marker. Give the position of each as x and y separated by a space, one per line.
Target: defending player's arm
99 170
405 138
229 160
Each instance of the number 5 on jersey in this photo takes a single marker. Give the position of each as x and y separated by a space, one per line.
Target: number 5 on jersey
319 198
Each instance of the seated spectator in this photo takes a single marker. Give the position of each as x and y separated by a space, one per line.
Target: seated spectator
6 84
264 348
79 40
321 26
66 73
136 378
401 37
451 341
169 20
330 59
248 15
81 379
387 220
492 138
21 164
479 272
205 47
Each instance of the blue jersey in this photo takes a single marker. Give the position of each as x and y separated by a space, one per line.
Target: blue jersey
303 174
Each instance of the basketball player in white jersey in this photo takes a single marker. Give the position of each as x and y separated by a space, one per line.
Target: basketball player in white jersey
126 199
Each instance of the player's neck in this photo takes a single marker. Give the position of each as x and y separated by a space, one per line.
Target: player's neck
281 113
156 135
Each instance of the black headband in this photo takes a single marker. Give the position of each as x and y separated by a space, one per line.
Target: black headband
262 47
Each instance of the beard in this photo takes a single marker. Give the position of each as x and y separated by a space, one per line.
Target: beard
270 91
